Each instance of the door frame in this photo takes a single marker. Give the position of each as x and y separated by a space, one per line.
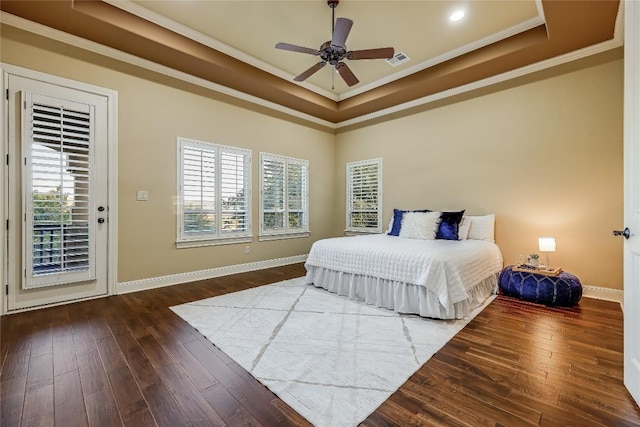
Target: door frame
631 190
112 173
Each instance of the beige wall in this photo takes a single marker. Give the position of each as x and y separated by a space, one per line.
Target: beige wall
153 111
544 154
545 157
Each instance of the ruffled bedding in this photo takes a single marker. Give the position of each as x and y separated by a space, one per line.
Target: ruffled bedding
433 278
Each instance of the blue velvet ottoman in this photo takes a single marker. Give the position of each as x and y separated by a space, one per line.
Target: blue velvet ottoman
562 290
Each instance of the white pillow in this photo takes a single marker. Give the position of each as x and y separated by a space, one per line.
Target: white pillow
482 227
463 228
420 225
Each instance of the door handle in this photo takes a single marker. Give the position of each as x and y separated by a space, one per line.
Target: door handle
626 233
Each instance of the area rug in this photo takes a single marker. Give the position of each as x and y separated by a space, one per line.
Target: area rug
331 359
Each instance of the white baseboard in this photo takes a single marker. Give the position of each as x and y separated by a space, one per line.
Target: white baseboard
607 294
192 276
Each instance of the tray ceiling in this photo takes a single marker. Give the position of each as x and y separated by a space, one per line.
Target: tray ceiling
231 43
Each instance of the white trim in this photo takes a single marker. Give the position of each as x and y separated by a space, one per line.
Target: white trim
61 36
182 244
283 236
192 276
606 294
4 200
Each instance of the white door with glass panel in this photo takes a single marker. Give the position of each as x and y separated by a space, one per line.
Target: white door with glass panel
58 214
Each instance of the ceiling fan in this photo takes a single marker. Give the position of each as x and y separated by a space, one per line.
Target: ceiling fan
335 51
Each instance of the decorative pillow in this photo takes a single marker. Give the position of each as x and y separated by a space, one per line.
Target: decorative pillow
420 225
463 228
482 227
396 221
449 223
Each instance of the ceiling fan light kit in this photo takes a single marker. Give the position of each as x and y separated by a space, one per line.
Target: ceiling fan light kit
334 51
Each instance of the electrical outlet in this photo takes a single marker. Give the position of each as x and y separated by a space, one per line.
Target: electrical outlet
142 195
247 249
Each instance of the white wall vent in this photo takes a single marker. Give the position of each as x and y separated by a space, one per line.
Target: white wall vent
398 58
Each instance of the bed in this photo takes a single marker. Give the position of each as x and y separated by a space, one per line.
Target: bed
442 279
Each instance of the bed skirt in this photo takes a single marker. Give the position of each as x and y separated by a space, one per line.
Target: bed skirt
398 296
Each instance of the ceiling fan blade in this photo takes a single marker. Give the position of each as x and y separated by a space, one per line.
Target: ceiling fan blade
341 32
346 73
304 76
294 48
381 53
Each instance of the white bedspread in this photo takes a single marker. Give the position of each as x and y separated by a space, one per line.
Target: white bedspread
447 268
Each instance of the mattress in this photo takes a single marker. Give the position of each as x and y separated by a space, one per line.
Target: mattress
452 276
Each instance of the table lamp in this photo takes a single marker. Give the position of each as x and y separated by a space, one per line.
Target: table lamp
547 244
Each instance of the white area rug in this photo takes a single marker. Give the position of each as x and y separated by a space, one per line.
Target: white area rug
331 359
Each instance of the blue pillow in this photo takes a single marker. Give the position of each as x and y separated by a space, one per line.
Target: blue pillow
449 223
397 220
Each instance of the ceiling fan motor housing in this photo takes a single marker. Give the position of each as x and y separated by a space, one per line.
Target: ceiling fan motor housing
332 54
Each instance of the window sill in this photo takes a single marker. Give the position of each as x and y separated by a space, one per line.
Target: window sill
360 232
182 244
283 236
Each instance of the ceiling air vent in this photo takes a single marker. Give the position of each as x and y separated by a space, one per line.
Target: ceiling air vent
398 58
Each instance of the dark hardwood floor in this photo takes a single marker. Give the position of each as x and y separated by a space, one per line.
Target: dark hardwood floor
129 360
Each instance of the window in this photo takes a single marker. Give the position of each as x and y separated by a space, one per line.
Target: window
214 193
364 196
283 197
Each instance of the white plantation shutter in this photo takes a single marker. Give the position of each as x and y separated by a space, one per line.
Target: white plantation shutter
273 186
284 195
297 195
234 185
59 225
199 190
364 195
214 191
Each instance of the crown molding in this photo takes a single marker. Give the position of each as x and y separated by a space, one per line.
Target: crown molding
501 35
170 24
67 38
61 36
615 42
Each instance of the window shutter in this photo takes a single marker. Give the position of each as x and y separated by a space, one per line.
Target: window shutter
199 190
214 191
59 219
363 195
234 173
273 194
284 195
296 194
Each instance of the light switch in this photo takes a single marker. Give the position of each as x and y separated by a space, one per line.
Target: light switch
142 195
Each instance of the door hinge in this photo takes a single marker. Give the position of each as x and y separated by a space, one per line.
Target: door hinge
6 290
7 92
7 160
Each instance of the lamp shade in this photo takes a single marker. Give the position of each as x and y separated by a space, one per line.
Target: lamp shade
547 244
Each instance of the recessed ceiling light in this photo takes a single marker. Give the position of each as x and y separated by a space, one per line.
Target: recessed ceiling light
456 16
